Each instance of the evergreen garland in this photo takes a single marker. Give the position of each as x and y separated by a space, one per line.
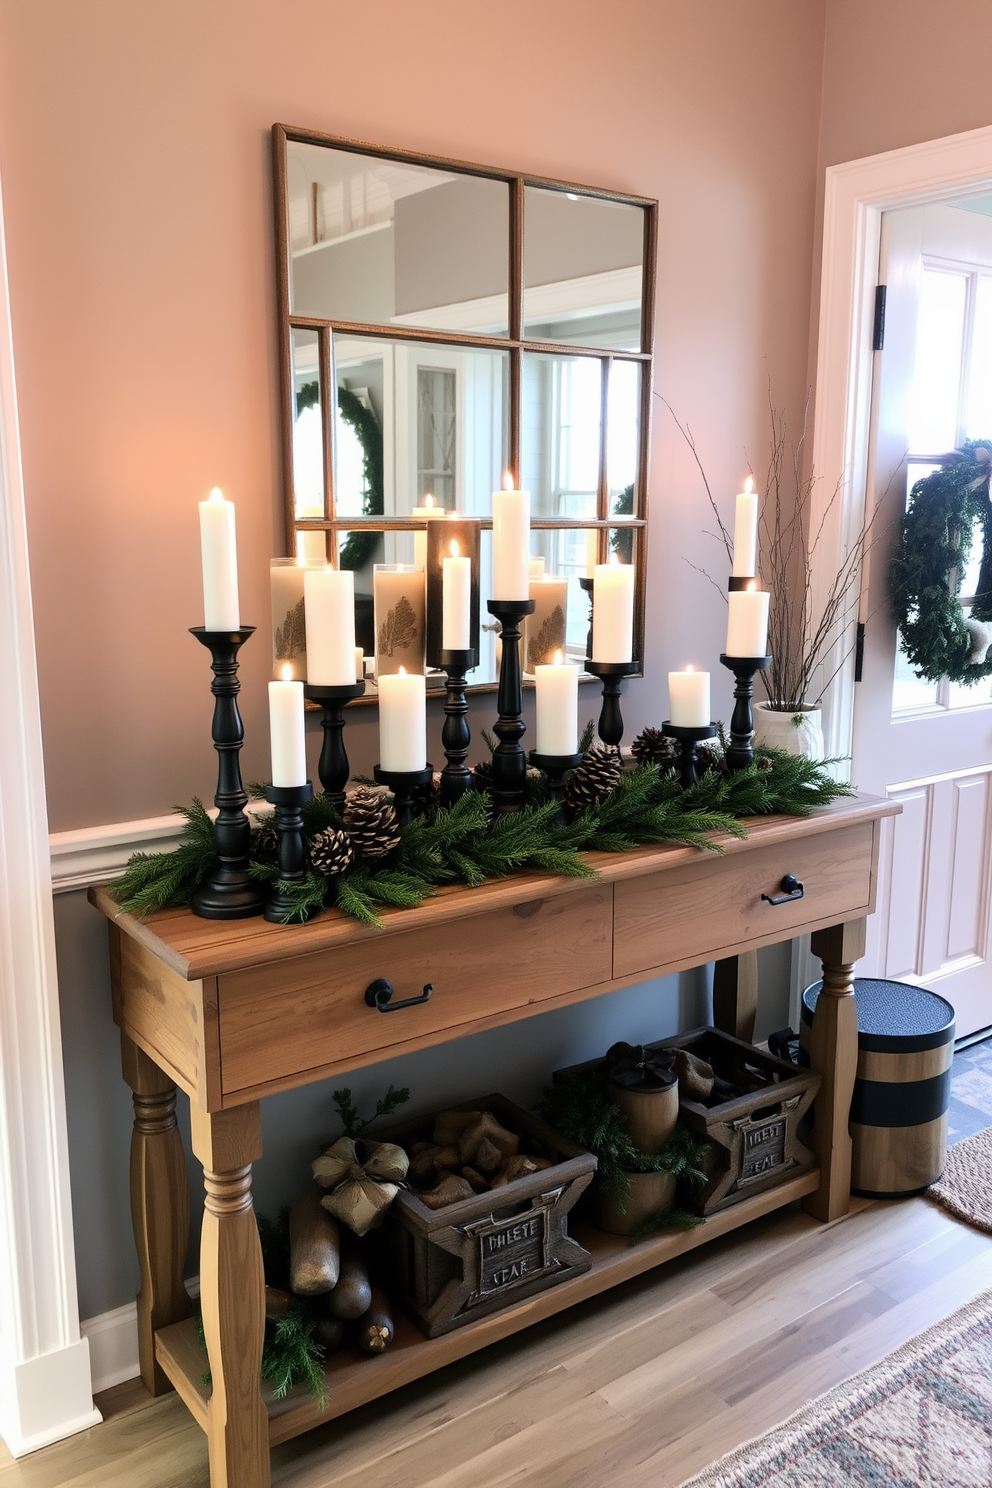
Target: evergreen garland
938 528
358 547
466 844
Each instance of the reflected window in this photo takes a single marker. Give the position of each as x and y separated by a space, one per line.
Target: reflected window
436 429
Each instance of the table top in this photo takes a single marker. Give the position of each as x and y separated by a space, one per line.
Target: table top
196 947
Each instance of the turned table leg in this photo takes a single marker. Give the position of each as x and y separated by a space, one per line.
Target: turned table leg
735 994
232 1296
834 1055
159 1206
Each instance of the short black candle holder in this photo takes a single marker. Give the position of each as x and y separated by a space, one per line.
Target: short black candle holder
555 768
740 752
456 777
509 760
333 767
406 786
289 801
688 737
230 893
611 674
587 585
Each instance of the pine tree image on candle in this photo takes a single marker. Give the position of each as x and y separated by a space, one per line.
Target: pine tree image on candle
549 639
291 635
398 631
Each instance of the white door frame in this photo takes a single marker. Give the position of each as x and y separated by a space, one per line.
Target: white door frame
45 1388
856 195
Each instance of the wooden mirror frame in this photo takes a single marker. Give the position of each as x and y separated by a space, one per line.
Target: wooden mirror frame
514 343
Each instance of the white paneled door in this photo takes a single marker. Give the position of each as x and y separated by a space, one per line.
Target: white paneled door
929 744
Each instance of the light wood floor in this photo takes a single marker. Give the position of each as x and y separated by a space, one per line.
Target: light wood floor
638 1389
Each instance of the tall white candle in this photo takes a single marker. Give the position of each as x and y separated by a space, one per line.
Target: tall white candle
456 601
747 622
535 568
287 734
511 544
359 664
557 688
592 551
402 721
746 532
689 698
613 612
219 556
329 606
430 507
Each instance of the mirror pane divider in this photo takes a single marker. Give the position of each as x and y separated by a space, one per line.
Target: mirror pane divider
603 484
285 336
328 421
649 277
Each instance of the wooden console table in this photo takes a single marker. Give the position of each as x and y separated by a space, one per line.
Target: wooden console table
232 1011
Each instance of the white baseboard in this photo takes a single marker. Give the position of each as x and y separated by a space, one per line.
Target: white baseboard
93 855
113 1340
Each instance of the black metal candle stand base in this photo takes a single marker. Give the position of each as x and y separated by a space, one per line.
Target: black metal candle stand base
333 767
406 786
740 752
509 760
230 893
456 736
587 585
688 737
611 674
555 767
289 801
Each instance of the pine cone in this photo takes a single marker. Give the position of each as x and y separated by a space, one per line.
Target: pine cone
330 852
429 795
265 843
710 757
652 747
596 778
483 775
370 821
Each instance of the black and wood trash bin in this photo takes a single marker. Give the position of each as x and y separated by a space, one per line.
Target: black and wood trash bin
903 1085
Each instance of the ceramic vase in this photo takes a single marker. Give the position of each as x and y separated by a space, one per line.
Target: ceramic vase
798 732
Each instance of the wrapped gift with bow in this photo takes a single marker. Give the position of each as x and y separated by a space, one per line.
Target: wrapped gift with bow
362 1179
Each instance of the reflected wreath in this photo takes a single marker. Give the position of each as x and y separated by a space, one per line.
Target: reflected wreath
946 513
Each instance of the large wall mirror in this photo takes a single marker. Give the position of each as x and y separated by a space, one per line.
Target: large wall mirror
441 323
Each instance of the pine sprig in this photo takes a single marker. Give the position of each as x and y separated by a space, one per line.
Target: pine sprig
292 1356
351 1122
154 881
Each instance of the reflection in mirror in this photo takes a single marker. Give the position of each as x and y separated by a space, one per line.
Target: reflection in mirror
443 409
623 433
583 269
374 241
623 544
308 448
560 434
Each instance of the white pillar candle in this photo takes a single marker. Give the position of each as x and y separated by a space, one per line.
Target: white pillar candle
746 533
329 605
689 698
359 664
592 551
557 708
456 601
219 556
747 622
535 568
402 721
613 612
429 508
311 546
511 544
287 733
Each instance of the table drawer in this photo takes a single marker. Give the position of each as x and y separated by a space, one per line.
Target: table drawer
709 906
284 1020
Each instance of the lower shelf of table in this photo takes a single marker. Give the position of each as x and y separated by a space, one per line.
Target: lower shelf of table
353 1380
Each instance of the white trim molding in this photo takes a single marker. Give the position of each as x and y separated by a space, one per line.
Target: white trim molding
45 1389
113 1343
92 855
856 194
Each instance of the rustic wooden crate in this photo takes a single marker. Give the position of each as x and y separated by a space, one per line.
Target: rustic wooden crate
754 1137
451 1266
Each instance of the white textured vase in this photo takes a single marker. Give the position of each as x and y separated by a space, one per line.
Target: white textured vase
799 732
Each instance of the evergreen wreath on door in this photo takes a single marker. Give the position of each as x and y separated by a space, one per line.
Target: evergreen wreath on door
947 512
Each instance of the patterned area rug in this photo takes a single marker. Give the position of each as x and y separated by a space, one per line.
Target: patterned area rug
965 1186
922 1418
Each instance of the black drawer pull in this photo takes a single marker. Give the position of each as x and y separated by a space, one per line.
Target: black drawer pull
378 994
791 889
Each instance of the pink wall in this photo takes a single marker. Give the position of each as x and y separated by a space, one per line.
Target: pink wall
134 151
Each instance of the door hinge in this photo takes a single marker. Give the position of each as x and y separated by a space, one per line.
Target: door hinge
878 330
859 652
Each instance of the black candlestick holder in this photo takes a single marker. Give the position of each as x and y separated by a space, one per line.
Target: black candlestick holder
456 736
611 673
289 801
406 786
688 736
587 585
333 767
740 752
509 760
555 768
230 893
